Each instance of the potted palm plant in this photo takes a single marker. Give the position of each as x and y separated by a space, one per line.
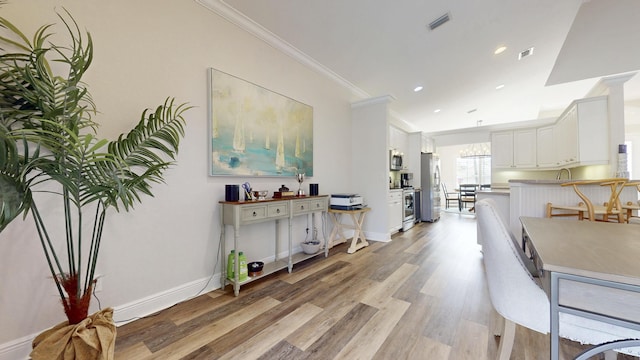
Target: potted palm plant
48 145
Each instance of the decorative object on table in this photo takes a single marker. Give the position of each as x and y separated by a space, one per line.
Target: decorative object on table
257 132
314 189
255 268
48 137
260 194
300 178
248 195
231 193
310 247
622 171
283 192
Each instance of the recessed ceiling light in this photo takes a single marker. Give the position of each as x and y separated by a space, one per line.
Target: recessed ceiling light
500 50
436 111
499 86
418 88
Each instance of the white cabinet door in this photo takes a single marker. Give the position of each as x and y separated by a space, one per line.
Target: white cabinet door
566 137
593 131
513 149
545 147
395 210
524 148
502 149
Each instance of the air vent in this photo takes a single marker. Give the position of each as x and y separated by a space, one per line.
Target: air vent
439 21
525 53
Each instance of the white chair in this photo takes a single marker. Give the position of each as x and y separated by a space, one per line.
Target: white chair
518 299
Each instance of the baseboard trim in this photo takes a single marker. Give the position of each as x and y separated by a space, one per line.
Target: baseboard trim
17 349
21 348
140 308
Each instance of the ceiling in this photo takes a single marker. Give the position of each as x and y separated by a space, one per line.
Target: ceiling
380 48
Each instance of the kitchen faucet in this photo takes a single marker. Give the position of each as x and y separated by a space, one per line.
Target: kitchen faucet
560 173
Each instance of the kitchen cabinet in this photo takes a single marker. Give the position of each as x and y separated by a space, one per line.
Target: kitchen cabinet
513 149
545 147
581 135
399 141
566 138
396 210
246 213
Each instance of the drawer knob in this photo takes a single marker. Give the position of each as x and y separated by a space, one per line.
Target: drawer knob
277 211
254 214
301 207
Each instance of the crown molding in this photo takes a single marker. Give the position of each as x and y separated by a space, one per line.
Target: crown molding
384 99
239 19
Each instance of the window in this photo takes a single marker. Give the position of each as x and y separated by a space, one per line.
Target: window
473 165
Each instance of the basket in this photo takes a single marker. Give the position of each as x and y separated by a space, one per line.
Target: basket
310 247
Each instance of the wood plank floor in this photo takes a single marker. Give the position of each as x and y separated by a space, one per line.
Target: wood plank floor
421 296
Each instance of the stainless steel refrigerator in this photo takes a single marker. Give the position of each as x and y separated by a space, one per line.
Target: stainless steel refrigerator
430 184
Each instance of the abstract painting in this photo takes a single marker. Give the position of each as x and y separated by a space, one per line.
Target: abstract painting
257 132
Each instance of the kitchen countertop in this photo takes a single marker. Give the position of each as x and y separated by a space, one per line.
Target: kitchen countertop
495 191
551 181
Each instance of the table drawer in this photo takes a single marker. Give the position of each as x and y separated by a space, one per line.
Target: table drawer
253 213
301 206
277 210
318 205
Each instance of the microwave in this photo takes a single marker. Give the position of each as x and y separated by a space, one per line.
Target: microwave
395 160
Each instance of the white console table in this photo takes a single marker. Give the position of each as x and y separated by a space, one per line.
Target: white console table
245 213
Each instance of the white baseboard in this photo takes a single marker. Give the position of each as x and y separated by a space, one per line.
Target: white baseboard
134 310
377 236
19 349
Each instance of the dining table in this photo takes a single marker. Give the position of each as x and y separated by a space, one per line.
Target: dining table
602 257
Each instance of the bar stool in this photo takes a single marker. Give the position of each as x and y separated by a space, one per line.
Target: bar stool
610 209
629 207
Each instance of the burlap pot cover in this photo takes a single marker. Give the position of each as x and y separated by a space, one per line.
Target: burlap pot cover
93 338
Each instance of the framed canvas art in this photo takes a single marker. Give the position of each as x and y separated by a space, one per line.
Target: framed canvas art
257 132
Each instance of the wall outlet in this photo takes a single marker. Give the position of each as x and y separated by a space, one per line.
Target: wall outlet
98 284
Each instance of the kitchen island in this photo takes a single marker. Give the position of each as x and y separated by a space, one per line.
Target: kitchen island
530 198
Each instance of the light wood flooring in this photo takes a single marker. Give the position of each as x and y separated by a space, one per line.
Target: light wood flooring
421 296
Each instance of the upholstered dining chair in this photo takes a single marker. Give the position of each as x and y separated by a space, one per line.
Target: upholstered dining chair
518 299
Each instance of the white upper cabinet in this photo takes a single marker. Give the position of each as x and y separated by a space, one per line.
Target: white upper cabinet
579 137
398 140
593 131
502 149
566 138
524 148
582 133
545 147
513 149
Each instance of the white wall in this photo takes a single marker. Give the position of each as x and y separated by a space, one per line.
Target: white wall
166 249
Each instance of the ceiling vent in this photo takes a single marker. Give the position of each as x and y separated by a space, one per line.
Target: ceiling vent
525 53
439 21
